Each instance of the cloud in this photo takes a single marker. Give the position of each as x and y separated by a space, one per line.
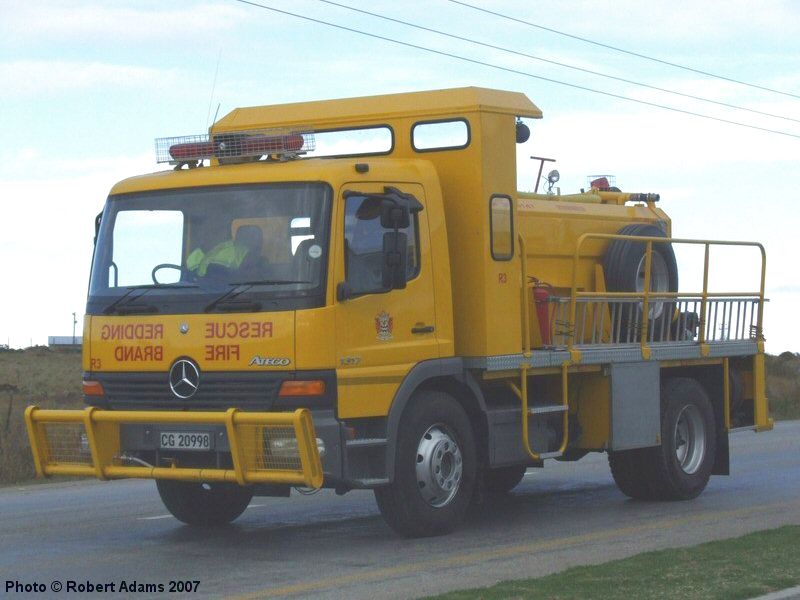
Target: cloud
24 170
35 77
58 20
786 289
684 21
49 225
641 138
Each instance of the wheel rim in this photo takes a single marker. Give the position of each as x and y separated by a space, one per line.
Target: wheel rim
659 281
439 466
690 439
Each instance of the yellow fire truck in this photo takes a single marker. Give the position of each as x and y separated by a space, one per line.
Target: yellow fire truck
353 294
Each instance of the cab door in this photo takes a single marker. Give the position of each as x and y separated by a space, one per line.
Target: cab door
380 335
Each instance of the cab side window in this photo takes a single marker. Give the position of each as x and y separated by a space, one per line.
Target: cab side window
501 219
364 245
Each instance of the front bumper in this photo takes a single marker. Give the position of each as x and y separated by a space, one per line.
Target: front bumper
87 443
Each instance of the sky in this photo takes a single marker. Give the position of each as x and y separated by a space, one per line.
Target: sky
86 86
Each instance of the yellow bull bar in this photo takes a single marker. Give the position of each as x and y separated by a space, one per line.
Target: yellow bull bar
87 443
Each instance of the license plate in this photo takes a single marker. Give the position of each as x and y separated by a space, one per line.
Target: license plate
185 440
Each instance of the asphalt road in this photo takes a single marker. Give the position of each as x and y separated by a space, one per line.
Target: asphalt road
339 547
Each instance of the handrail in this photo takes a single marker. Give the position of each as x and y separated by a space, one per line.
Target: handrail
522 390
526 318
668 295
647 295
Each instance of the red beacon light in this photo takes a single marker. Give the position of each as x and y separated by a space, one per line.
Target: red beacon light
234 146
190 151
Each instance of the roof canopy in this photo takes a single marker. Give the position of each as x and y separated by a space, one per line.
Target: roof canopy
376 109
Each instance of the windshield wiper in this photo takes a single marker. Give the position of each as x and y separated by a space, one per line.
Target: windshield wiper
234 292
120 302
136 309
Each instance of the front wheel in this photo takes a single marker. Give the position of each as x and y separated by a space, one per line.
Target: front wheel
204 504
434 473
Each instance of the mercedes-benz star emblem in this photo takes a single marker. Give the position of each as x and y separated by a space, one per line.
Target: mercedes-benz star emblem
184 328
184 378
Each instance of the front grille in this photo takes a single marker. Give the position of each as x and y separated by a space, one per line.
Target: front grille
253 391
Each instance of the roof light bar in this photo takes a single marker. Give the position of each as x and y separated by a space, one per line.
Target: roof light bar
233 144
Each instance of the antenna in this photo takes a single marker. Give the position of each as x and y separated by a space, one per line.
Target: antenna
213 88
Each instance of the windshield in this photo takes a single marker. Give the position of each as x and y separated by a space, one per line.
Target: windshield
206 249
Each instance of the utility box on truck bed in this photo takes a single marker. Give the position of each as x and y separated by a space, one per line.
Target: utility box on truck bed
353 294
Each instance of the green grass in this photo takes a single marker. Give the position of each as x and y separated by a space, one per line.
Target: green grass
743 567
50 379
783 385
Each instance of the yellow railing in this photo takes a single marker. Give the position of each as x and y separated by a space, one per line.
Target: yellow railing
645 297
276 447
748 304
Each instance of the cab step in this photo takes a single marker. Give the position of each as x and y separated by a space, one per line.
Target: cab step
368 483
366 442
545 410
544 455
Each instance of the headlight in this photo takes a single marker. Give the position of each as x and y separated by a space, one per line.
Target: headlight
287 447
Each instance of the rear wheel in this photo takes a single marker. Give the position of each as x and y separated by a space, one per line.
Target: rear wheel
682 464
204 504
678 469
629 470
435 464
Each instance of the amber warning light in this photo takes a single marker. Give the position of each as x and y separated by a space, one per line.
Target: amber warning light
93 388
233 145
302 388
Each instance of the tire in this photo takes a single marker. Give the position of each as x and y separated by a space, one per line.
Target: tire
623 265
503 479
682 465
630 472
678 469
435 468
204 504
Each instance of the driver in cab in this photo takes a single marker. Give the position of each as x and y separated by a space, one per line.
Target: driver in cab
241 255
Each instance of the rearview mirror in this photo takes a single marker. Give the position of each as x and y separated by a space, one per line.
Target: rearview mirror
394 215
395 257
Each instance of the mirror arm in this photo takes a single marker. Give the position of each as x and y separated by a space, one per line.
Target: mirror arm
343 291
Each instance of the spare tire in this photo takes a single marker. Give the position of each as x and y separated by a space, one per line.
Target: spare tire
624 266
